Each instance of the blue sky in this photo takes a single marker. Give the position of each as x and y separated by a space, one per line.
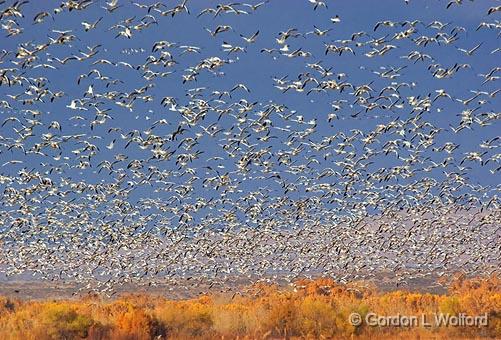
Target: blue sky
255 70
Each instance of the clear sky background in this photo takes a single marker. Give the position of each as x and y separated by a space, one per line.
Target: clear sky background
255 70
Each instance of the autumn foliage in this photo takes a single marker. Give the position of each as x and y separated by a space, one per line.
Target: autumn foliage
309 309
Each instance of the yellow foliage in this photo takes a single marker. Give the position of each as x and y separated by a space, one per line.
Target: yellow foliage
311 309
191 318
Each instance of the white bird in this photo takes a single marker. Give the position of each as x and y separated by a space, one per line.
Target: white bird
90 26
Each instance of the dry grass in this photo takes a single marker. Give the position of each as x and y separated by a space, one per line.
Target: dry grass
314 310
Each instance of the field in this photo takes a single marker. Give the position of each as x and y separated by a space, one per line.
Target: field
309 309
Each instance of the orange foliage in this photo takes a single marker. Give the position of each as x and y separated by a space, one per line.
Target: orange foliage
310 309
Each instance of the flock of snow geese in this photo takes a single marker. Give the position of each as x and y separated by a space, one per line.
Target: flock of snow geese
196 143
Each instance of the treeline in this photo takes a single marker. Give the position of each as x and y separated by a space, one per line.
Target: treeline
318 309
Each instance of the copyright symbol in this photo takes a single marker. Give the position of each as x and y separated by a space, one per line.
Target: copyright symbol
355 319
